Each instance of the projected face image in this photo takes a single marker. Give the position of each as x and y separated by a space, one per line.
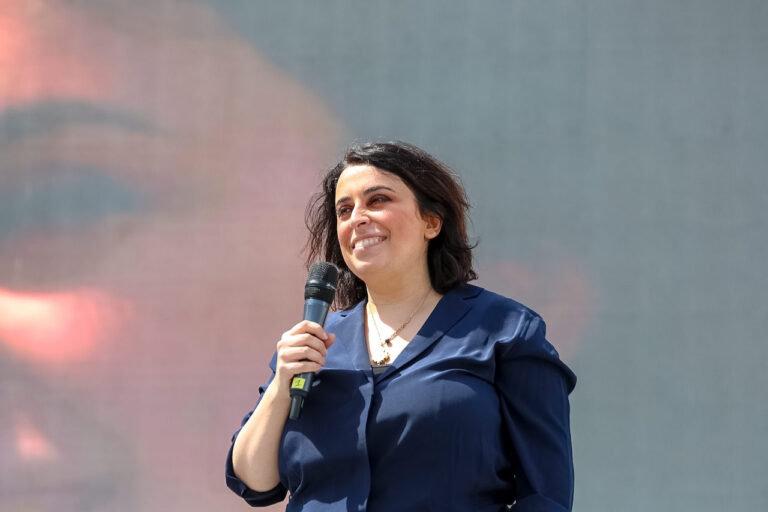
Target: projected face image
153 175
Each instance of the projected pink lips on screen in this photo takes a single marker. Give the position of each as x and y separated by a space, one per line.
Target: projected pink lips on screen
54 327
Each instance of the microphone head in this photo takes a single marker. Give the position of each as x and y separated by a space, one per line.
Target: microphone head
321 283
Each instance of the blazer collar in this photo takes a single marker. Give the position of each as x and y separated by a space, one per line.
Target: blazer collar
449 310
350 334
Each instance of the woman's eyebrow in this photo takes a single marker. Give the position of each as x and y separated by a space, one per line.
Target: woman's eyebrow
369 190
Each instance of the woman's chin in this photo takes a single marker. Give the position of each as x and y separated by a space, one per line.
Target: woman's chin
368 268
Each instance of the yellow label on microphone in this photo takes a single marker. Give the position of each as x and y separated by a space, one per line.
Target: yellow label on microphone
298 382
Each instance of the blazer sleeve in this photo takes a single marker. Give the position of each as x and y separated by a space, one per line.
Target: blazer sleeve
253 498
533 386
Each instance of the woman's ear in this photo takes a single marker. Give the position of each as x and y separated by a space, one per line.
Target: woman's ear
432 226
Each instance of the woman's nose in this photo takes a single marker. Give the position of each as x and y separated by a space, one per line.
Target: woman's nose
359 216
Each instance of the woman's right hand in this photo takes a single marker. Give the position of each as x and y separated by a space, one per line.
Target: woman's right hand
301 349
256 450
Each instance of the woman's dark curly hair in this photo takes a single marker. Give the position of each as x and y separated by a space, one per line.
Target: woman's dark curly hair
437 190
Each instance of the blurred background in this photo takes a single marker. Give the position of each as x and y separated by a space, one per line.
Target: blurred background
156 157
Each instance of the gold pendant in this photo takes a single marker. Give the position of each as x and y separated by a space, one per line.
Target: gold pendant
382 362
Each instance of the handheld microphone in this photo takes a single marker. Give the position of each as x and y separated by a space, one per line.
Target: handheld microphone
318 296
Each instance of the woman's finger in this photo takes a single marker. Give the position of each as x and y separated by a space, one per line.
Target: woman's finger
293 354
307 327
302 367
301 340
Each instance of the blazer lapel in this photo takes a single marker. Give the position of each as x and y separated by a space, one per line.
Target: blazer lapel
451 308
350 338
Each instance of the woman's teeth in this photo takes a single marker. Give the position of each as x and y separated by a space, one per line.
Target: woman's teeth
366 242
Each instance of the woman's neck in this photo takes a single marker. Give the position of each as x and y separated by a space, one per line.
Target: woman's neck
397 298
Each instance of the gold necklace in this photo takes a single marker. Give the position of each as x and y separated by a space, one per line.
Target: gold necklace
387 343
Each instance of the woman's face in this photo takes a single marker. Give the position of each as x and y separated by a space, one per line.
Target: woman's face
380 229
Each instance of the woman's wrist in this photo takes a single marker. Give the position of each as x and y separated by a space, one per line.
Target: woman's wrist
279 389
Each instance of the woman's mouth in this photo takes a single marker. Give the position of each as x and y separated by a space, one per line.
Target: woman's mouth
364 243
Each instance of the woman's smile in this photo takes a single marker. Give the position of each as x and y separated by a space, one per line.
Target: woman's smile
362 243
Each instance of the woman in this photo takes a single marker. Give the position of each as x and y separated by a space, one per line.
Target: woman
430 393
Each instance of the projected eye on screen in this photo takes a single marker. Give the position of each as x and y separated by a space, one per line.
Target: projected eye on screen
140 154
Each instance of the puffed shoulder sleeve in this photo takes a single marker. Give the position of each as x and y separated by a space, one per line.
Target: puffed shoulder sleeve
533 385
253 498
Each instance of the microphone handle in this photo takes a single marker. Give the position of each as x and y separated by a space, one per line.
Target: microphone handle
315 310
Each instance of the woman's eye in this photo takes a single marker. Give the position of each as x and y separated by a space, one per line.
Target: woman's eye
343 210
379 199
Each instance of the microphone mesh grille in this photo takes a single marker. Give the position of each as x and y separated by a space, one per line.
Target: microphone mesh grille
325 272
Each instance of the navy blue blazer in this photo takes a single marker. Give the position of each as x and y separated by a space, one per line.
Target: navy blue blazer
473 415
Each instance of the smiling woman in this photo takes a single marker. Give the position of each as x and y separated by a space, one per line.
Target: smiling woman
426 381
437 197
